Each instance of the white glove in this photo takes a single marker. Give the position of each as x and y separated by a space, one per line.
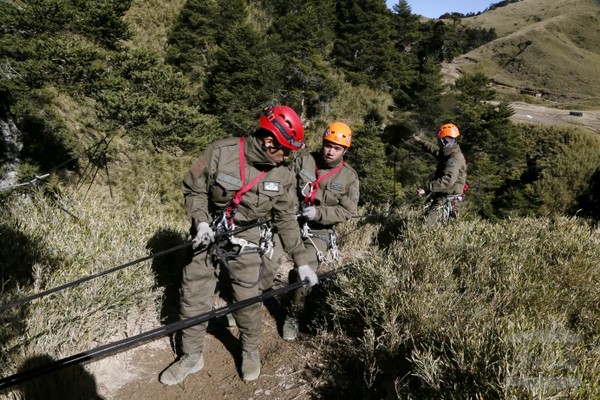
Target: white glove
204 235
310 213
306 273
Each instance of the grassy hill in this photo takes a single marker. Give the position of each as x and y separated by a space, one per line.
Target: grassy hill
549 46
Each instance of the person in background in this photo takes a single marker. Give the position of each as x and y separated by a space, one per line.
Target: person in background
328 190
237 183
449 183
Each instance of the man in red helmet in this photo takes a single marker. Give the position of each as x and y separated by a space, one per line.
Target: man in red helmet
237 183
447 187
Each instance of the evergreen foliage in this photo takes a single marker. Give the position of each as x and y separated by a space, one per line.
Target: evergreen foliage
363 47
368 158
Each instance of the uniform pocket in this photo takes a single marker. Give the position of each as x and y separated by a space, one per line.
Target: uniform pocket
226 184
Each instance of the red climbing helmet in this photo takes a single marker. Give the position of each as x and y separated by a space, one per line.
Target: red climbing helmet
285 125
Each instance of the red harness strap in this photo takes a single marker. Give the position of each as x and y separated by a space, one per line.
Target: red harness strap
309 198
237 196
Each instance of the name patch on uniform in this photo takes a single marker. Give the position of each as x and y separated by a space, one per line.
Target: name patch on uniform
271 186
336 186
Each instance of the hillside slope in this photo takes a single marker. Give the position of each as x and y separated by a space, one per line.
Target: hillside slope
548 46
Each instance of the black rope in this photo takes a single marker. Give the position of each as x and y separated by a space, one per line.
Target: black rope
93 276
147 336
128 264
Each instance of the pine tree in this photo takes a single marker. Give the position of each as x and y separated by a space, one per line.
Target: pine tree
492 145
305 31
247 76
194 36
364 48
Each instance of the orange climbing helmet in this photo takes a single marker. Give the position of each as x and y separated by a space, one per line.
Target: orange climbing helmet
338 133
448 130
285 125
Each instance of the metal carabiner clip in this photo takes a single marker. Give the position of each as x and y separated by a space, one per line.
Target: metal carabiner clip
307 189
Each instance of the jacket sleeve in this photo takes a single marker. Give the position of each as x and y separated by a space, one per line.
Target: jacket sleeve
196 186
431 148
445 183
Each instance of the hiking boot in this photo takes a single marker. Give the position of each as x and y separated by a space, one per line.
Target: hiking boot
250 365
290 328
176 372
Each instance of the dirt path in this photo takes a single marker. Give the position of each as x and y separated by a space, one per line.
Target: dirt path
287 369
545 115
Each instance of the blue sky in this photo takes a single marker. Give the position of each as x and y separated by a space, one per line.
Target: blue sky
435 8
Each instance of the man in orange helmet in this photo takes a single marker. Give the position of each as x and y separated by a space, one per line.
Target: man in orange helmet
448 185
237 183
328 190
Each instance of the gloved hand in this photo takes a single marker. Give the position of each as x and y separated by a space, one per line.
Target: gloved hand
310 213
204 235
305 272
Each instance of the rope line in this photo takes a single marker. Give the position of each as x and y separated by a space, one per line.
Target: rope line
90 277
144 337
108 271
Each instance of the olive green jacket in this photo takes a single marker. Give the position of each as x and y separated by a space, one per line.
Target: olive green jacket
215 177
451 173
337 198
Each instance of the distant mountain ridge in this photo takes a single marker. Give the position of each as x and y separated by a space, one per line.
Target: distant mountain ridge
547 46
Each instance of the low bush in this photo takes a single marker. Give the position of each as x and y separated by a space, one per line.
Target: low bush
476 310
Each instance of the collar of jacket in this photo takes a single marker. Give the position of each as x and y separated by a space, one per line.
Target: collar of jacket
255 155
450 149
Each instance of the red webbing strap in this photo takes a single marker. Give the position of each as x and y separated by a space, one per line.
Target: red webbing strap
314 186
237 197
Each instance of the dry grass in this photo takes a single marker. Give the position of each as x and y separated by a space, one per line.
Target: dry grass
150 22
103 235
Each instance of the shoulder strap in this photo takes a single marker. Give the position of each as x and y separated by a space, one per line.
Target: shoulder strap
236 199
309 198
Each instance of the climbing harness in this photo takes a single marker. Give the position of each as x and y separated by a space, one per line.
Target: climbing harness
446 207
309 191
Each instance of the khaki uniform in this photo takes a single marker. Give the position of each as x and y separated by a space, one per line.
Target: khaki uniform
336 201
208 187
448 182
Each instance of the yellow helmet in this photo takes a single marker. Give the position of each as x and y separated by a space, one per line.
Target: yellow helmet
338 133
448 130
